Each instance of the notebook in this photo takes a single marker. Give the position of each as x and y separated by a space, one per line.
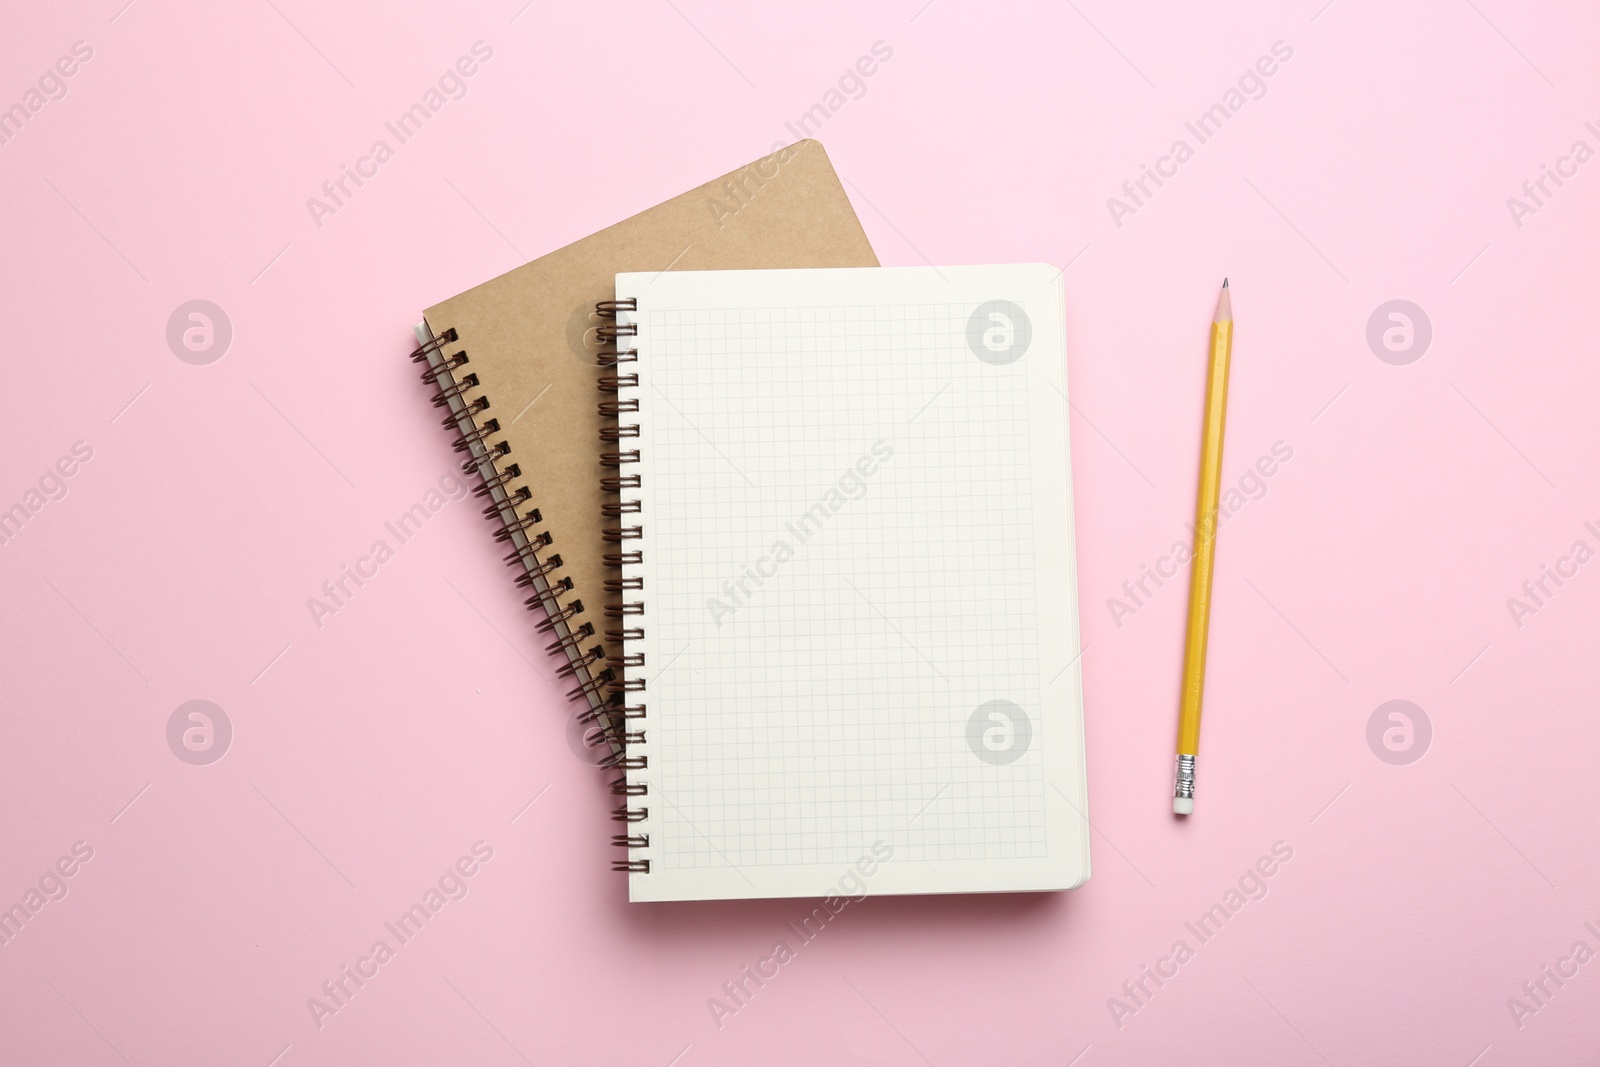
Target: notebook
515 363
848 583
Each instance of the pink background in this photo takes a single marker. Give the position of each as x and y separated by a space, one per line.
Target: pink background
369 754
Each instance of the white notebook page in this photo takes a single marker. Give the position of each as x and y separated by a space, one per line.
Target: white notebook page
860 620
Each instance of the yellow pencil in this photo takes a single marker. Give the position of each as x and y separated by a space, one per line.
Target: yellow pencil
1205 544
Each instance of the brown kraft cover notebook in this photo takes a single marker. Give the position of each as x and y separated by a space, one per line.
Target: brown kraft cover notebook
516 364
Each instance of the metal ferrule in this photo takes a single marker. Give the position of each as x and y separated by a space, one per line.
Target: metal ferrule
1183 784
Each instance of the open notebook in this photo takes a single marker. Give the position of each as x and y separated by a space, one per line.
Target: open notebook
849 607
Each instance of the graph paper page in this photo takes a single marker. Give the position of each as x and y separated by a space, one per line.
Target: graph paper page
859 614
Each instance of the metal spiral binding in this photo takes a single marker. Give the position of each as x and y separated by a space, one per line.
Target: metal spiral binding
518 524
625 670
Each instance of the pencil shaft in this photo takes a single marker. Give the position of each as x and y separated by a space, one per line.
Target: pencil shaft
1205 525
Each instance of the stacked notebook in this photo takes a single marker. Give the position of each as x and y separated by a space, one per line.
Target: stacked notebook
800 529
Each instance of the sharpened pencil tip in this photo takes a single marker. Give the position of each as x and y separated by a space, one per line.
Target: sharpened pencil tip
1224 283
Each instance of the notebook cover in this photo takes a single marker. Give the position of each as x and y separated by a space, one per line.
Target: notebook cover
530 332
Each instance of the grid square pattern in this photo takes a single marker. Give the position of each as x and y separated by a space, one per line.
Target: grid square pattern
840 571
